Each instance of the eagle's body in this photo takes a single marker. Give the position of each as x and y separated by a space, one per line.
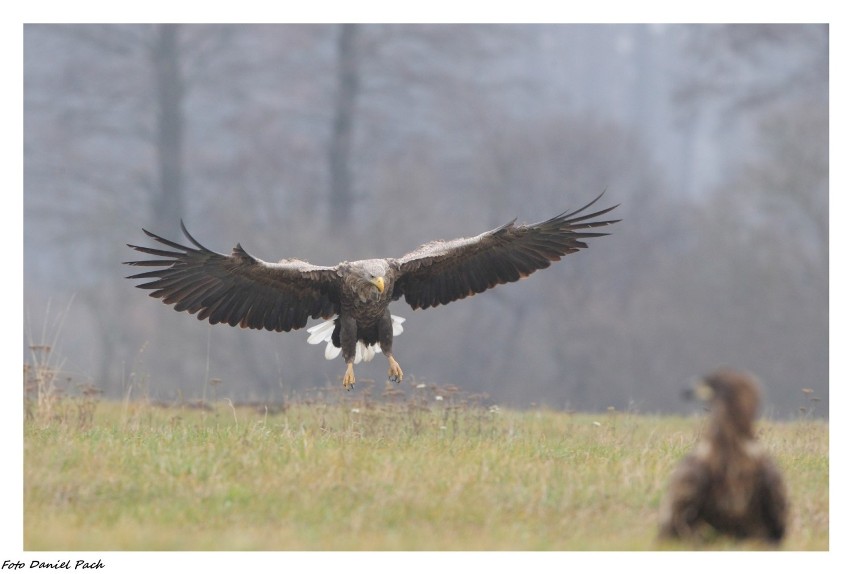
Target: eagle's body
728 483
239 289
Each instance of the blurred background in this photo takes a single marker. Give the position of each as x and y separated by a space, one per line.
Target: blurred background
334 142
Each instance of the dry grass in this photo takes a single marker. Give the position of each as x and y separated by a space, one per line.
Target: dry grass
407 472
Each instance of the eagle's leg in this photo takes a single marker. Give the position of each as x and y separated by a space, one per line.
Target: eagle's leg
348 340
386 342
349 377
394 372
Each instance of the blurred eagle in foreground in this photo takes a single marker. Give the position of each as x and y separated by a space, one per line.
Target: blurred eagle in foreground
240 289
728 483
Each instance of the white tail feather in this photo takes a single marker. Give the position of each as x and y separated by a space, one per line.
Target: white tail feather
323 332
332 352
397 324
367 353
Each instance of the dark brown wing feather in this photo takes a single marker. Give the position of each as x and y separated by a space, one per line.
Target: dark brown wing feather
443 271
687 494
238 289
773 500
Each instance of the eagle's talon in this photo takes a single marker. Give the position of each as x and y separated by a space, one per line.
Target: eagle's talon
394 372
349 377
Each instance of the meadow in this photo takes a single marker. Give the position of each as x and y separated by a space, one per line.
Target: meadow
417 468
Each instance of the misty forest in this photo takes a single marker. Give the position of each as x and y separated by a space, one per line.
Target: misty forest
345 142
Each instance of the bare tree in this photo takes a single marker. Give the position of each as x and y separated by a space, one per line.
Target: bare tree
341 196
168 201
777 77
116 115
755 65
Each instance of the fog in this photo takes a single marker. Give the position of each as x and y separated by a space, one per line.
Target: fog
341 142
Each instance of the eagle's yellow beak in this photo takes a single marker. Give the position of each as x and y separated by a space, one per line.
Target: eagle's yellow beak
703 391
379 282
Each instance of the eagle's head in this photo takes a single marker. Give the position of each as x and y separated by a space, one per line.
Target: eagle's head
732 395
370 279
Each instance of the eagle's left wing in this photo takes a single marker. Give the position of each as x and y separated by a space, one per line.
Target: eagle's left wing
442 271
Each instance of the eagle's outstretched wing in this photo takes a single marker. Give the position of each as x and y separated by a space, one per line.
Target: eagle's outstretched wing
239 289
443 271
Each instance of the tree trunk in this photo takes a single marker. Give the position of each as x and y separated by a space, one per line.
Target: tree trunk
340 148
168 205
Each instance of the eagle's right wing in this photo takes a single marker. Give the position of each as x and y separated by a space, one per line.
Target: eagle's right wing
238 289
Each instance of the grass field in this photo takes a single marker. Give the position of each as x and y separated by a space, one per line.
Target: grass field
405 473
